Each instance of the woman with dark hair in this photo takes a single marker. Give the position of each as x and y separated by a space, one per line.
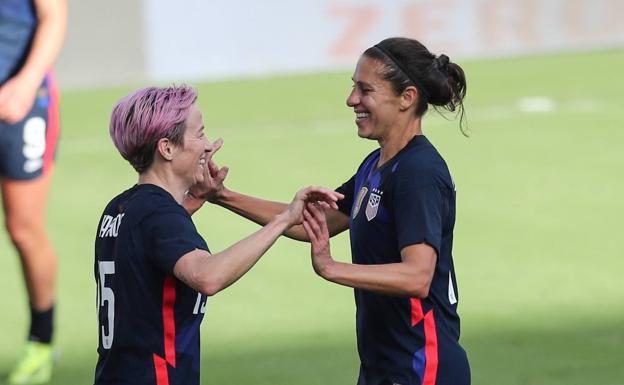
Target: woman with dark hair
400 210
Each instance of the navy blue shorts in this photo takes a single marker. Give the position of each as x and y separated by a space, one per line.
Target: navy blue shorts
28 147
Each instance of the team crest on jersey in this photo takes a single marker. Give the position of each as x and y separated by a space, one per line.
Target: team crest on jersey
358 202
373 204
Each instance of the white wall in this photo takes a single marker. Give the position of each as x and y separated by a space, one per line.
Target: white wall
210 39
104 44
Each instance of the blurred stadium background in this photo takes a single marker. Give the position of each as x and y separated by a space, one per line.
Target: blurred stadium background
537 249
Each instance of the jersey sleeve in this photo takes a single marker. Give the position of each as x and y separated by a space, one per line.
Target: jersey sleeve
347 189
170 235
419 206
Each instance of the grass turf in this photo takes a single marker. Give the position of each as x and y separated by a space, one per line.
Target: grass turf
537 247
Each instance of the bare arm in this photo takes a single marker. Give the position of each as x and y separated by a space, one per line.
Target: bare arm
411 277
261 211
191 203
258 210
211 273
18 93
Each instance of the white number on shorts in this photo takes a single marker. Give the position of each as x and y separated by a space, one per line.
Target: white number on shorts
34 143
105 294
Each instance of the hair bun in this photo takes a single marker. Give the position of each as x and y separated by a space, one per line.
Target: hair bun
442 62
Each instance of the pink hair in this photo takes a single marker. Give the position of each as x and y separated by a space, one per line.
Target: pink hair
143 117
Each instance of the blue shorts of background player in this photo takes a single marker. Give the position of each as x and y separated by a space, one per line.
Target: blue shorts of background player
28 147
27 152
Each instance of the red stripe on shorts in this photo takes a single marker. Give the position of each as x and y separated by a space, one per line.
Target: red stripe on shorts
52 132
160 366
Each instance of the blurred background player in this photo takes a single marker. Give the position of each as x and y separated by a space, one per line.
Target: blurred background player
400 210
31 36
153 269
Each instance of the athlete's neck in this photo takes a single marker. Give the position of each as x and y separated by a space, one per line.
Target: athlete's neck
397 139
164 181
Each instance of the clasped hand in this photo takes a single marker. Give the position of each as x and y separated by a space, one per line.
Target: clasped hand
212 186
320 196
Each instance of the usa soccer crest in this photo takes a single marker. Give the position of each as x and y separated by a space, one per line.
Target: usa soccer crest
358 202
372 206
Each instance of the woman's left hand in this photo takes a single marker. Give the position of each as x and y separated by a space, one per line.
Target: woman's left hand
315 225
212 185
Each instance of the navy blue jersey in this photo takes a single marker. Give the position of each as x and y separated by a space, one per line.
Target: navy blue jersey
148 320
408 200
17 28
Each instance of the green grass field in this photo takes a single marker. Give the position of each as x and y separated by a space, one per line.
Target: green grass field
536 248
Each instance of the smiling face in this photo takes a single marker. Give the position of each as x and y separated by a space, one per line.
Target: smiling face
191 156
373 99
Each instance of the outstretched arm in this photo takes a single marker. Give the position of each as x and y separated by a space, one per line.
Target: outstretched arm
262 211
258 210
411 277
17 94
211 273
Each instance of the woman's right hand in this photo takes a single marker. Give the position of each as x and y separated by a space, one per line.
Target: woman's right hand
322 196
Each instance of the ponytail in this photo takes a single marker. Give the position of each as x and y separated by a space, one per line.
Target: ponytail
446 83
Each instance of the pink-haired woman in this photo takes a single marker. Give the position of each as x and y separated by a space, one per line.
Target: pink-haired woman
153 270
